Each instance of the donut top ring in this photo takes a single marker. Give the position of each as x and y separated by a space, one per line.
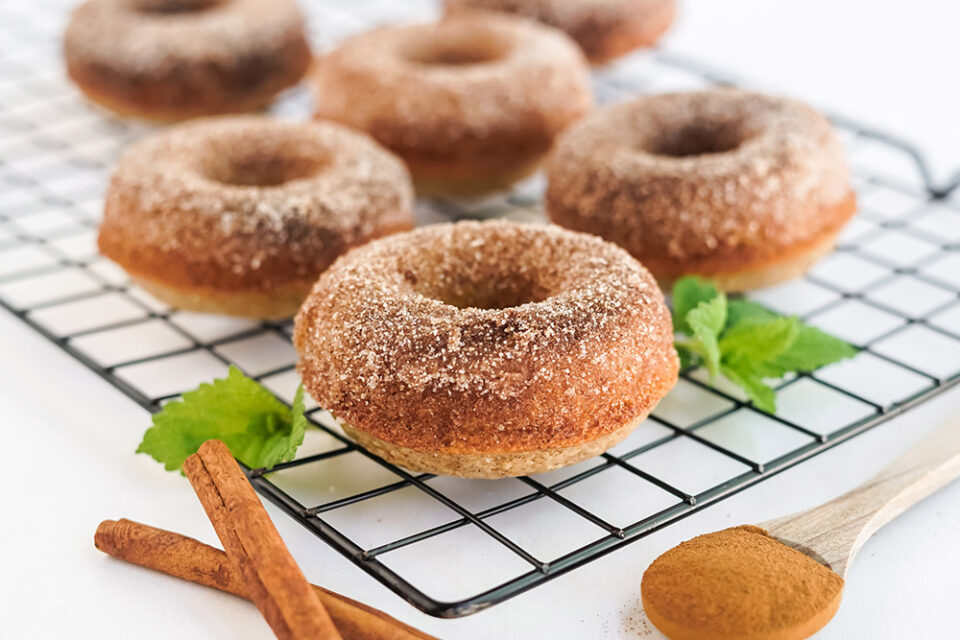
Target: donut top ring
604 29
473 99
486 338
175 59
249 204
708 182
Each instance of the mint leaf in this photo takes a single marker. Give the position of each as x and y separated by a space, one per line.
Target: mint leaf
260 430
813 349
740 310
762 396
688 293
759 340
745 341
706 322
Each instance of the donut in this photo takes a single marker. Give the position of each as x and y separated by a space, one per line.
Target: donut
240 214
604 29
471 103
746 189
486 349
178 59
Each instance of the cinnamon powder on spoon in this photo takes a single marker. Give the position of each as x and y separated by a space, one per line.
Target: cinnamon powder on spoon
739 583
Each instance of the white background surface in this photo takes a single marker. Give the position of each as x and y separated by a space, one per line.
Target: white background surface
68 437
886 62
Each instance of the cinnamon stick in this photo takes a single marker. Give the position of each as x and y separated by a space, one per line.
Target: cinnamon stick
184 557
270 576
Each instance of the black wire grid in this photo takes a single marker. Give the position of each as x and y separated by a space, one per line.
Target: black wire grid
450 546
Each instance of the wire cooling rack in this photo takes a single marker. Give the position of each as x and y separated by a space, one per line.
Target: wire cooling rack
452 546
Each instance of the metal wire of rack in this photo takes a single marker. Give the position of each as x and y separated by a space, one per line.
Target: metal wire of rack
452 547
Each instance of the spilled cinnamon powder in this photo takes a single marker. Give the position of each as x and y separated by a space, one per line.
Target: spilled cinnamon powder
739 583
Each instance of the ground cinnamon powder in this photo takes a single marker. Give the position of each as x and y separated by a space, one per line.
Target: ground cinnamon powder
739 583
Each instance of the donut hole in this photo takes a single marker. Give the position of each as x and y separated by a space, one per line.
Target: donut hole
262 169
501 294
171 7
468 284
456 50
696 139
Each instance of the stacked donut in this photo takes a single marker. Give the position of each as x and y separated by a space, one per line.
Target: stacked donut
472 349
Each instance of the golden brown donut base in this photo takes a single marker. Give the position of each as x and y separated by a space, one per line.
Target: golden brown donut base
144 110
128 103
196 273
489 465
732 272
770 275
279 304
777 273
435 179
469 168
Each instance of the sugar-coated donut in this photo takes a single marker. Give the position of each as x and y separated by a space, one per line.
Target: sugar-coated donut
604 29
486 349
471 103
177 59
743 188
240 214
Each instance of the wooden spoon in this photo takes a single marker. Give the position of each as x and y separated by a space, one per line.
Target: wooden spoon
702 589
833 533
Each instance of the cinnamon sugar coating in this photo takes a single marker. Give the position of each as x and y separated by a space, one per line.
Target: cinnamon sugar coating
249 204
175 59
604 29
466 98
486 338
711 182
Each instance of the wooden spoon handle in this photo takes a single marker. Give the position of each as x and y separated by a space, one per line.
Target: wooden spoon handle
834 532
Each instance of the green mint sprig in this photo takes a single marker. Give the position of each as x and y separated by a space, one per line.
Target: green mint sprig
745 342
260 430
